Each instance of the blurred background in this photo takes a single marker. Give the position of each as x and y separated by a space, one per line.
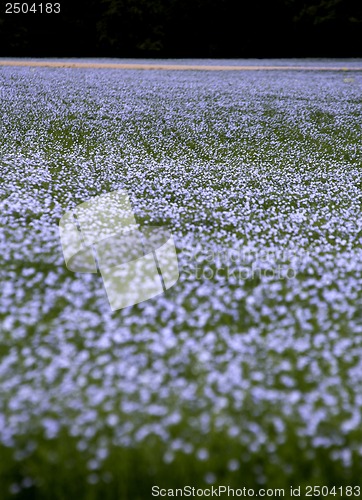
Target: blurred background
186 28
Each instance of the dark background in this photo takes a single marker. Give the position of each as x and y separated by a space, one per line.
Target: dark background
186 28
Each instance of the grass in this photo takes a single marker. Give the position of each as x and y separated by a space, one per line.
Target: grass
223 380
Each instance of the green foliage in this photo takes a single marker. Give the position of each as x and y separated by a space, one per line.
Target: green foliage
179 28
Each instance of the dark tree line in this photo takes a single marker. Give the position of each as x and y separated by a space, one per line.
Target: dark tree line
187 28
